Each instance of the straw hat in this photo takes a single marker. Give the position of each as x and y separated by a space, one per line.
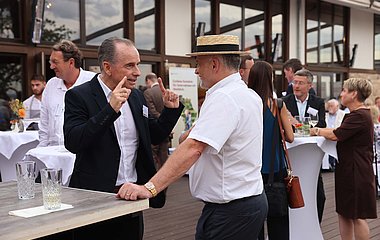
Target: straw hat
217 44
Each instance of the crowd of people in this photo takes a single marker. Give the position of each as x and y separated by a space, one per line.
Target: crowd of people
121 136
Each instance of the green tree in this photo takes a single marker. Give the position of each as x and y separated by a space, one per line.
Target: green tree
52 33
10 74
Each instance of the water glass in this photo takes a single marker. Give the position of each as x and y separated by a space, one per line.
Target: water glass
51 179
298 126
25 172
306 126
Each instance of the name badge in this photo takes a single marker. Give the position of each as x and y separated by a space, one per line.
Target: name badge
312 111
145 111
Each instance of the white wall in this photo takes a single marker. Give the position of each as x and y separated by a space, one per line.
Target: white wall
361 33
297 30
178 27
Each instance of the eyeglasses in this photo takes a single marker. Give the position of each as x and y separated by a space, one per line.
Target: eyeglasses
301 83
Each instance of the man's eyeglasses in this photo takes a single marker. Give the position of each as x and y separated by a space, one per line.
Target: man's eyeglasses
301 83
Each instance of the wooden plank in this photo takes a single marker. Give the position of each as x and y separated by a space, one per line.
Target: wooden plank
178 219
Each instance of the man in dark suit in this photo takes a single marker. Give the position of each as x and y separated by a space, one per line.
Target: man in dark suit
300 103
290 67
153 97
108 128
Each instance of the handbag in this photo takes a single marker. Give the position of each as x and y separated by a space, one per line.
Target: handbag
293 185
275 191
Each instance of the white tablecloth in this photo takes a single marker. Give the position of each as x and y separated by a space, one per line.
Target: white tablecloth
13 147
29 121
53 157
306 155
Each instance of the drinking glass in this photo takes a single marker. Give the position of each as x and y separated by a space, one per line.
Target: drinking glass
25 172
51 179
306 126
314 120
298 125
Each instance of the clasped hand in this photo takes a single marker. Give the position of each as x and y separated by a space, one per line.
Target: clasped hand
130 191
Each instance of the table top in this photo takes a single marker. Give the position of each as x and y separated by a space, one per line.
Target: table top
10 141
324 144
89 207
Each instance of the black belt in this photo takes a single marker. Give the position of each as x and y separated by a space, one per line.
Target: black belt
232 201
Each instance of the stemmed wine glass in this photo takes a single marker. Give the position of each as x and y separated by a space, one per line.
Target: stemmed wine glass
314 120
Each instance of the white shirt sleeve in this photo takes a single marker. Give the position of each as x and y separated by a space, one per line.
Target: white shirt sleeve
44 120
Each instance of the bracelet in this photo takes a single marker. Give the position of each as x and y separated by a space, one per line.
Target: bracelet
317 131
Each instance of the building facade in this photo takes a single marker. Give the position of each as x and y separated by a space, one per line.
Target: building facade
334 39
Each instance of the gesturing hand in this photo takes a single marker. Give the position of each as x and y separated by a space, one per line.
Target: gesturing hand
171 100
119 95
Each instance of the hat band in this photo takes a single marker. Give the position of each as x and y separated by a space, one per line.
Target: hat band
218 48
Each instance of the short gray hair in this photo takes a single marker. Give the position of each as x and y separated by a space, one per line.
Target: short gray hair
305 73
231 61
107 50
361 85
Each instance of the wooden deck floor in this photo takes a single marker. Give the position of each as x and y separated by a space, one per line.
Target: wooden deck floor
178 218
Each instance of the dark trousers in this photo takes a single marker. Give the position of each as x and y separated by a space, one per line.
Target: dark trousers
321 197
278 228
240 219
332 162
128 227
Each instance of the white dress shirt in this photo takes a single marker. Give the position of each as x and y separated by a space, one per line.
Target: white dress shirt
301 106
128 139
231 124
32 107
52 109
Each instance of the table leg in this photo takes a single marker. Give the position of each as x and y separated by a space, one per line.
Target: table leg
306 162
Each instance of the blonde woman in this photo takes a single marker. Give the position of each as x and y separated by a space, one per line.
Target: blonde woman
354 177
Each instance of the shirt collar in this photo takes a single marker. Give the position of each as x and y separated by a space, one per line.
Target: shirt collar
106 90
231 78
297 100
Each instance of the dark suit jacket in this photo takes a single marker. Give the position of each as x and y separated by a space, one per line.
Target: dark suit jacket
313 101
153 97
90 134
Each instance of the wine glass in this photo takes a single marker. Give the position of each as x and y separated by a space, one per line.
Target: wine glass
314 120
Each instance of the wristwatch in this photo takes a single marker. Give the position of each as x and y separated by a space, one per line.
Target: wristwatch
317 131
151 188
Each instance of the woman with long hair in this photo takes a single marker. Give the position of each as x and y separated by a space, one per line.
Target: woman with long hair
261 81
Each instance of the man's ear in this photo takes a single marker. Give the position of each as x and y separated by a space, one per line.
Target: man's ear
107 68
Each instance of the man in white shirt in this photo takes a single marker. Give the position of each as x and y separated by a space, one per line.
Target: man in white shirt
224 149
32 104
334 117
65 60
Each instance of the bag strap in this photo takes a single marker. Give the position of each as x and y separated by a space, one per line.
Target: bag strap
274 144
279 102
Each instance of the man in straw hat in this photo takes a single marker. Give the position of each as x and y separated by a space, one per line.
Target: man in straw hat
223 149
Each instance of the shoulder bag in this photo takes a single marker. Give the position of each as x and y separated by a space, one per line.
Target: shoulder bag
292 182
